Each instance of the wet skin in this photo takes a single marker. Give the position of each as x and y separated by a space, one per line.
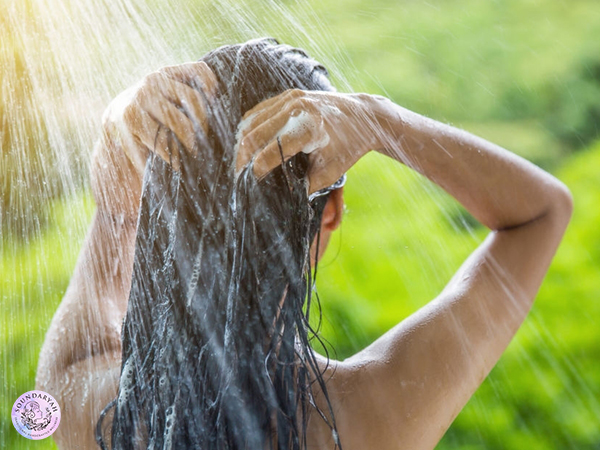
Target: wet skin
406 388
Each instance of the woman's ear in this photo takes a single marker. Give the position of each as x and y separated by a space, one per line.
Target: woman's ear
334 209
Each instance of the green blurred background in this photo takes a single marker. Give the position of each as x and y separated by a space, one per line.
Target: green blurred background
524 74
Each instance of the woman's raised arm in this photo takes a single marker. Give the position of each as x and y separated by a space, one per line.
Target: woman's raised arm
405 389
81 357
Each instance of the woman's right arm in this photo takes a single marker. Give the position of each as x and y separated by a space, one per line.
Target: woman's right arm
80 360
405 389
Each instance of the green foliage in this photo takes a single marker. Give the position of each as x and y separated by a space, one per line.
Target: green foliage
574 106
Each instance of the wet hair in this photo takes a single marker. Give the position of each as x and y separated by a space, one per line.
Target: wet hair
216 339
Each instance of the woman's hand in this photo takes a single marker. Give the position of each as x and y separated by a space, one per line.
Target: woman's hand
139 119
167 104
336 130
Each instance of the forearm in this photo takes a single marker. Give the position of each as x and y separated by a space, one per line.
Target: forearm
499 188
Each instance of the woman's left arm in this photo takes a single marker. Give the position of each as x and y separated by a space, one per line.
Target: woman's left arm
405 389
429 365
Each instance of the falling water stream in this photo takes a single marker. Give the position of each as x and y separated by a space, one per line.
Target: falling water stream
62 61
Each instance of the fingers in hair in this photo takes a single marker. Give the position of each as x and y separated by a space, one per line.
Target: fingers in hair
256 139
188 99
271 156
147 133
196 74
168 115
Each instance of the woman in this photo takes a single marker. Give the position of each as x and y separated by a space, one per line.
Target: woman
251 212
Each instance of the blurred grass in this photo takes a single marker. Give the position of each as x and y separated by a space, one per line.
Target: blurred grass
522 73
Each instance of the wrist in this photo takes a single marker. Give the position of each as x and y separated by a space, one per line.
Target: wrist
389 123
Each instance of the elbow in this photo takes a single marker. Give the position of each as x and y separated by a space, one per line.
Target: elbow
558 208
561 207
557 212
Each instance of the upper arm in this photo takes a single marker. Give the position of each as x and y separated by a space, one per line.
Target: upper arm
80 360
410 384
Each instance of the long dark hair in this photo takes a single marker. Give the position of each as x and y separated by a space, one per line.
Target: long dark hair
216 351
